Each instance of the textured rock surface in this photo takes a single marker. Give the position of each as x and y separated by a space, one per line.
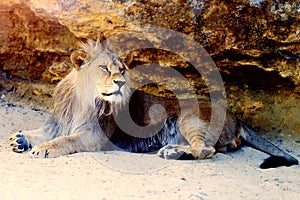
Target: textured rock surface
254 43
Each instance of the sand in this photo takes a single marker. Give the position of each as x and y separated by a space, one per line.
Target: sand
121 175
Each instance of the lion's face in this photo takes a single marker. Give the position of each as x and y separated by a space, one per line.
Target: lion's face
104 70
113 84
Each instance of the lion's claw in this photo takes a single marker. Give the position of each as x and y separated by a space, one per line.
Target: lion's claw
45 150
175 152
172 151
19 143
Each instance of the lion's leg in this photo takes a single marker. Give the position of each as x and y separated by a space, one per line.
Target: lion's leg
65 145
195 131
24 140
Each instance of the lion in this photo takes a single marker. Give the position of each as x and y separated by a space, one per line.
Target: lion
95 110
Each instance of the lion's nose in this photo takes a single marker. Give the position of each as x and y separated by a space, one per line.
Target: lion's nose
119 83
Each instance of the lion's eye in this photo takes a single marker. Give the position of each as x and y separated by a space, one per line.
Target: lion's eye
122 71
103 67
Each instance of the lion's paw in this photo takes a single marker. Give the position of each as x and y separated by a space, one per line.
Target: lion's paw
45 150
175 152
202 152
18 143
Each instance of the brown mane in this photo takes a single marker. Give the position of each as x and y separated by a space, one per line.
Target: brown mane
75 101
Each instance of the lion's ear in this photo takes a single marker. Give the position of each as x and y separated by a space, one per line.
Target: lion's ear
128 59
78 57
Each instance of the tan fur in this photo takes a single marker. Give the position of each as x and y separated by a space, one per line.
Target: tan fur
95 70
74 126
90 106
93 79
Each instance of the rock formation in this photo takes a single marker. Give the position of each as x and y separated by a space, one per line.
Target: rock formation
254 43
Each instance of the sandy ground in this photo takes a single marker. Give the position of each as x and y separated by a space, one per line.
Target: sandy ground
119 175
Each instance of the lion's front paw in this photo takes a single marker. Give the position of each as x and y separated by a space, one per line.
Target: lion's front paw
18 143
175 152
45 150
202 152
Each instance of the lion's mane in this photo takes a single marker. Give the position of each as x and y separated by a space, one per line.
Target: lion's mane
76 106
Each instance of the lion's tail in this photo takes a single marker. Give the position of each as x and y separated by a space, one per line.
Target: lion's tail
278 157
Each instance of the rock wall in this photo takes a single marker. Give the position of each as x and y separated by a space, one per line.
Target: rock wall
254 43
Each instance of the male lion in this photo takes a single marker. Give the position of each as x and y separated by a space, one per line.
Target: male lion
91 106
